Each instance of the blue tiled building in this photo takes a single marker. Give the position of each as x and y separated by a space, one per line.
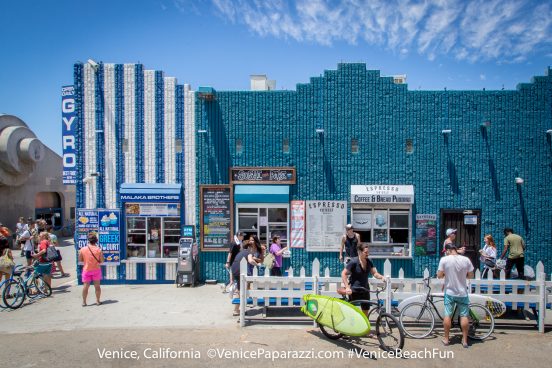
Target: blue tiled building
407 164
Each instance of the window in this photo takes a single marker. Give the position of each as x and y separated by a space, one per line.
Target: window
354 145
264 220
285 145
409 146
387 230
178 145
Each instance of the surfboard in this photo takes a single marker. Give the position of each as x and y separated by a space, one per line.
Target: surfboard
336 314
496 307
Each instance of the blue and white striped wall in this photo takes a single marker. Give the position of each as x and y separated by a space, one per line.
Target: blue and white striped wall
135 126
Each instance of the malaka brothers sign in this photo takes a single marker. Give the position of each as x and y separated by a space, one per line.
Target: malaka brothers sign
69 132
386 194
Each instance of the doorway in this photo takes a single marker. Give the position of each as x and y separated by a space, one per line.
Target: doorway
468 225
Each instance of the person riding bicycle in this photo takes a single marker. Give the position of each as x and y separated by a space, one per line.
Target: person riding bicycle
355 276
455 269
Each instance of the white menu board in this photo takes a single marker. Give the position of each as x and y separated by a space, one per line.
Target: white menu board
326 222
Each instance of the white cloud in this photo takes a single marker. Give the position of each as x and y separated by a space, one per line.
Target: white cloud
482 77
476 30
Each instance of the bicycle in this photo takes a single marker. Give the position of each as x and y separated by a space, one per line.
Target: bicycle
388 329
18 287
418 319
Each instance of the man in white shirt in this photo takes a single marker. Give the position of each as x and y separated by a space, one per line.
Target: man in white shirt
455 269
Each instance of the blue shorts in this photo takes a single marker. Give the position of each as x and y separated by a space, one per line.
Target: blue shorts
463 303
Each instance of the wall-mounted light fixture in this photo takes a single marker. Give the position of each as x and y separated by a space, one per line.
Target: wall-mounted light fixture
519 180
95 174
201 131
549 132
319 131
485 125
446 131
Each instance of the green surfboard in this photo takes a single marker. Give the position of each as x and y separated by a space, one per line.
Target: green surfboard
336 314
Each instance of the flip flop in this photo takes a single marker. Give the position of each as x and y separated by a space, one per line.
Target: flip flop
465 345
84 304
445 342
99 303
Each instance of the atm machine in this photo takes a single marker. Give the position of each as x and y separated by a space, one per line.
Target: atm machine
186 272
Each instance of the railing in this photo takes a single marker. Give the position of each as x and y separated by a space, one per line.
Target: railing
283 290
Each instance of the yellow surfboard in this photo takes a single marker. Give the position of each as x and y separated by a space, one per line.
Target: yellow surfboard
336 314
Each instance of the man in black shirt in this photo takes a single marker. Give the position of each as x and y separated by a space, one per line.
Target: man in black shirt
355 276
349 242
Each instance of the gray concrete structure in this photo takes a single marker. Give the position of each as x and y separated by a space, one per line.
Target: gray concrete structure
30 176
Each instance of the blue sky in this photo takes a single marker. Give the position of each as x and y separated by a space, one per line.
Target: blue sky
461 45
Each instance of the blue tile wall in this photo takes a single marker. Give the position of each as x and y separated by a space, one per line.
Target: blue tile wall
473 167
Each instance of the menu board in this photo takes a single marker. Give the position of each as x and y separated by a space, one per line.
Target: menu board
426 234
326 222
216 217
106 223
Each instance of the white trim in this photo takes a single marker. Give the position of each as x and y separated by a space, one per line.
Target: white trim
130 122
149 127
89 143
110 158
189 156
169 131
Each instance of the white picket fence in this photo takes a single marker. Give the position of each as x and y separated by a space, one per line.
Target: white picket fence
265 291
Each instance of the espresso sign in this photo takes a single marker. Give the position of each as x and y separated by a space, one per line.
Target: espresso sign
216 217
262 175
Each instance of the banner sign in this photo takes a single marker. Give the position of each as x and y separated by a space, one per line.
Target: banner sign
107 224
68 134
297 224
150 197
216 217
426 234
326 222
152 209
262 175
386 194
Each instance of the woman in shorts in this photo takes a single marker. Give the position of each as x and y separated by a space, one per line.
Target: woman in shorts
92 257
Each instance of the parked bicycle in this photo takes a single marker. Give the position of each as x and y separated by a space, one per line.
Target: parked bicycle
18 286
388 329
418 318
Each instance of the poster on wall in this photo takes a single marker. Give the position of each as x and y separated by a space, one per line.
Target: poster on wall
216 217
325 225
426 234
106 223
297 224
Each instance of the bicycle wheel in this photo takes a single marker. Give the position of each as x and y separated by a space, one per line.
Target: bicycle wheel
389 332
417 320
13 294
330 333
42 286
481 322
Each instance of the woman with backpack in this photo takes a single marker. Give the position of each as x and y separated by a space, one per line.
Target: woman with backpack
45 264
92 257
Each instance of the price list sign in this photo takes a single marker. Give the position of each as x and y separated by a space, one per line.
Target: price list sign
216 217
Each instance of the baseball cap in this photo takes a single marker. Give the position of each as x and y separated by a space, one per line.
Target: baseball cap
349 227
450 231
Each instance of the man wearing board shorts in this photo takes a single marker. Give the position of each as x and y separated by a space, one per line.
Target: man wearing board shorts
455 269
92 257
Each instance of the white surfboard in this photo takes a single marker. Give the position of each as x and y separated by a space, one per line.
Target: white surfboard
496 307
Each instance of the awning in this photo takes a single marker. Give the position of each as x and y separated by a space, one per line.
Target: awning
385 194
146 192
261 194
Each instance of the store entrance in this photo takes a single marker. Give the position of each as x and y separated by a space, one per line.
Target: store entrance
468 224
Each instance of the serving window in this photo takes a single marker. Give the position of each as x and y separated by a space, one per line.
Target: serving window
387 230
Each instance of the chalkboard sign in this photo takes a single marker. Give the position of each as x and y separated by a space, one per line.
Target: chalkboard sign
216 217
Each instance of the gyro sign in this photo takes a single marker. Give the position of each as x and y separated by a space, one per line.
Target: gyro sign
69 132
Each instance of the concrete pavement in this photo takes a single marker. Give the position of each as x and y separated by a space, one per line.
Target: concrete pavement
163 319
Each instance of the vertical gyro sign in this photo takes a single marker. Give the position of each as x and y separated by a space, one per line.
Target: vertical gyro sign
69 132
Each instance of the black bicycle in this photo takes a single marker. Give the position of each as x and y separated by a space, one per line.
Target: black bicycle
388 329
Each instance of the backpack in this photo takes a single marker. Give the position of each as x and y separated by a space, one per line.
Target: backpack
51 254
